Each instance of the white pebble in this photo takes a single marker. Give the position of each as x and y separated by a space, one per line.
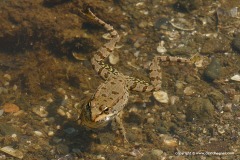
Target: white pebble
50 133
13 152
168 141
161 96
114 58
61 112
38 133
40 111
161 48
236 78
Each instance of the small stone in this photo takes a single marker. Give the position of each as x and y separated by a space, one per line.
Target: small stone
236 78
188 91
157 152
61 112
150 120
38 133
179 84
10 108
15 87
50 133
7 76
161 96
227 107
11 151
174 99
161 48
114 58
213 70
61 91
220 129
143 24
236 42
40 111
168 141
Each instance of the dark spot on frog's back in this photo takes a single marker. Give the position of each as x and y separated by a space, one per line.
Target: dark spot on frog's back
106 75
113 83
179 60
104 88
114 92
104 95
144 88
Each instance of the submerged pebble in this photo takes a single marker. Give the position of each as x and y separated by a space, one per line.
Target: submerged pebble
161 96
40 111
168 141
236 78
201 108
160 48
150 120
13 152
213 70
10 108
38 133
188 91
236 42
157 152
114 58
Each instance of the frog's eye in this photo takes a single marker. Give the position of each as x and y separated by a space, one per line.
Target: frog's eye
106 110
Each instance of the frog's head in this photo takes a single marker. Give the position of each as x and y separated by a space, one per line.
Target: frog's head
99 112
95 116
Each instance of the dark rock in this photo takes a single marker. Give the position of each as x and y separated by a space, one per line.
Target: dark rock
201 109
213 70
187 5
236 43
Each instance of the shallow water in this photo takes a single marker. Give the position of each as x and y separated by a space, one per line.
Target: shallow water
49 86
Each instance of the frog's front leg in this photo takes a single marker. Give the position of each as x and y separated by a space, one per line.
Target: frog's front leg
120 126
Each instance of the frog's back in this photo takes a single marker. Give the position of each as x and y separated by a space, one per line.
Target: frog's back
112 94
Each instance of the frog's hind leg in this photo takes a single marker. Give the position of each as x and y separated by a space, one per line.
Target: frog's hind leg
104 70
156 71
155 75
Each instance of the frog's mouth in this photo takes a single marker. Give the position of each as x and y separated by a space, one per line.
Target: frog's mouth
103 117
90 122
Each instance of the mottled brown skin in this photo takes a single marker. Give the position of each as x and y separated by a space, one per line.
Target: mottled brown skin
111 97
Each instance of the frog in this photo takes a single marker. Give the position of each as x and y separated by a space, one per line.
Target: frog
111 97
